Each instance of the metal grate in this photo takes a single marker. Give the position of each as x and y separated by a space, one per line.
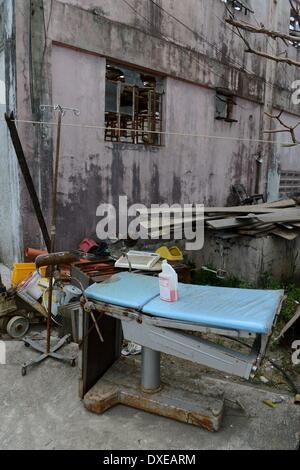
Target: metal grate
289 183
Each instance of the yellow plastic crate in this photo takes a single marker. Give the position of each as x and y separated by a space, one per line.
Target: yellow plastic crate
22 270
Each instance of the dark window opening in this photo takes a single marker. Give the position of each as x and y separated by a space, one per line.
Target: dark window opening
224 107
133 106
295 25
239 5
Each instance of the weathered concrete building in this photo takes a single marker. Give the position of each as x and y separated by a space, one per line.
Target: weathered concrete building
172 75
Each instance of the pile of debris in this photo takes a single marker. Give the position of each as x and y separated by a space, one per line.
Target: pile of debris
280 218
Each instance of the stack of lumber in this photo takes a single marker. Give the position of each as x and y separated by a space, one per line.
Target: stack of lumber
279 218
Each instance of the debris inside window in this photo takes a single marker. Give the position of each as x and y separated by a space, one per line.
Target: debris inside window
239 5
133 106
224 107
294 24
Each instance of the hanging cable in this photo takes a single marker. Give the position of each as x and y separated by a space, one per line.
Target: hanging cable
167 133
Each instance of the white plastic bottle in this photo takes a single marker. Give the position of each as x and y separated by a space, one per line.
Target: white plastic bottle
168 283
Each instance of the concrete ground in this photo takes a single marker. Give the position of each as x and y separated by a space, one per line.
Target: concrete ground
42 411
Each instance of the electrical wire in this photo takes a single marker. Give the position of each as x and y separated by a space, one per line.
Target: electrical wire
166 38
168 133
274 364
229 60
266 82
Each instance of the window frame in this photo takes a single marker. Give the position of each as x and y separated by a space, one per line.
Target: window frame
230 103
135 131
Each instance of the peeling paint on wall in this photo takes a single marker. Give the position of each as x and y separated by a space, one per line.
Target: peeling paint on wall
185 169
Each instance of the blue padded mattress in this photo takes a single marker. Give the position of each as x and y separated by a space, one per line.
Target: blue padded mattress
125 289
216 307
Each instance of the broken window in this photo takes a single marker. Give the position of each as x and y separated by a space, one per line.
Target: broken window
294 24
239 5
133 106
224 107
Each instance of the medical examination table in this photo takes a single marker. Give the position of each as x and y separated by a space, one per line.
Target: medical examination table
177 329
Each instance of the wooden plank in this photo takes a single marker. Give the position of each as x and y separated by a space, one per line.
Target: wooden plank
254 226
287 226
156 224
281 216
226 223
286 234
257 231
258 208
280 203
290 323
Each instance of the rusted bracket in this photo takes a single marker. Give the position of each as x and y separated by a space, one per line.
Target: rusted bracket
10 121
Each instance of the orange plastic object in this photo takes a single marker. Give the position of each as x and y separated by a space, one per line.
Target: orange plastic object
32 253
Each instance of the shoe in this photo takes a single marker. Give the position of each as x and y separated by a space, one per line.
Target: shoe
132 349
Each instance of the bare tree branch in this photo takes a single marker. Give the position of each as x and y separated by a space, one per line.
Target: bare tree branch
262 30
250 28
287 128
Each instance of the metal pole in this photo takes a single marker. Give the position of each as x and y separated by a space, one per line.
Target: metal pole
150 370
53 228
10 120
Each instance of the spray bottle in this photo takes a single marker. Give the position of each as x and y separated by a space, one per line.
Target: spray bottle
168 283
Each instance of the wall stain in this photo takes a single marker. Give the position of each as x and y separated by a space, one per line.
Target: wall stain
176 190
155 196
117 173
136 184
85 193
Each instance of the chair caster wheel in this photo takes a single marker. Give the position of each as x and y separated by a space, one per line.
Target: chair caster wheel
24 371
26 345
73 362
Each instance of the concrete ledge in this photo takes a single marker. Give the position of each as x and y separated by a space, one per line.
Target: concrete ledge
248 258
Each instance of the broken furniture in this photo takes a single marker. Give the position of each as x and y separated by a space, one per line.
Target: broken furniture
18 310
159 326
243 197
11 321
88 272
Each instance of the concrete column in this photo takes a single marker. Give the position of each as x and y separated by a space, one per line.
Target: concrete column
269 179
